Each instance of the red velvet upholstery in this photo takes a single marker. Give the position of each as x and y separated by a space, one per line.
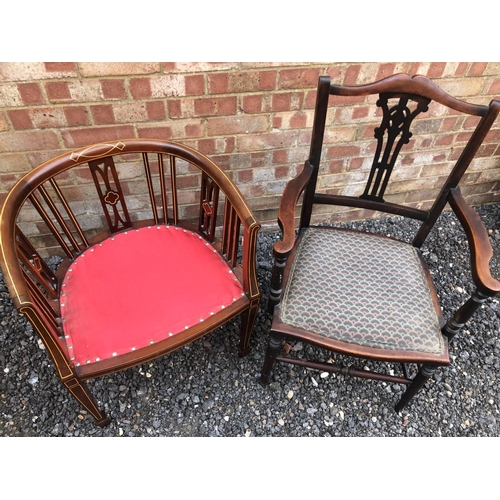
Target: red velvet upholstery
139 287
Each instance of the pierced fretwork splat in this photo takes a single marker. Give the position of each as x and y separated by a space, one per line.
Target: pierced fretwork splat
395 129
110 193
208 206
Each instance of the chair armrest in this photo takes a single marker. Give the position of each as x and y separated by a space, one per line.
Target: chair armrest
286 212
479 243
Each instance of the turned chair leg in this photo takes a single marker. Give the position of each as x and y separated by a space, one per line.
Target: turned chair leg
424 374
247 323
275 290
451 328
80 392
273 349
457 322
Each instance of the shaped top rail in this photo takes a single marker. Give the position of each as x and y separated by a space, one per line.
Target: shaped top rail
33 179
406 84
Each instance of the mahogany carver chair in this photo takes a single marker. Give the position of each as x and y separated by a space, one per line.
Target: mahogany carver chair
152 256
361 294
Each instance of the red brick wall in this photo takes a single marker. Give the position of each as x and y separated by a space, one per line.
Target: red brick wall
253 118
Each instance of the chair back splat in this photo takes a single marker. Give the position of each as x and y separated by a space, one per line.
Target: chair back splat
120 253
361 294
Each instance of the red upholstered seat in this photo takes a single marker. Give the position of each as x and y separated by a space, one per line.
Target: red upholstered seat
139 287
141 293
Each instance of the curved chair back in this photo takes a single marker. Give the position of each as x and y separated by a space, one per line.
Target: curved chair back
72 204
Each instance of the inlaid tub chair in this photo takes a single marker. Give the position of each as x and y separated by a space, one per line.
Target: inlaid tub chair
361 294
158 249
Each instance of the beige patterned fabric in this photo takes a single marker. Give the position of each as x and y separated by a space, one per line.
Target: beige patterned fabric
361 289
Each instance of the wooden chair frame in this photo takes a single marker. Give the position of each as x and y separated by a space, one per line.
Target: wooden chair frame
395 130
36 289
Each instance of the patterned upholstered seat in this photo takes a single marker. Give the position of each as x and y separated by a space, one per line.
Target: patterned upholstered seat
363 295
334 293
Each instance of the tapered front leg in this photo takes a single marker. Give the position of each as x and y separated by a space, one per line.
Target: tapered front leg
80 392
247 324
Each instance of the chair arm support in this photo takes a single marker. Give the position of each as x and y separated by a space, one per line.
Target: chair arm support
479 243
249 261
286 212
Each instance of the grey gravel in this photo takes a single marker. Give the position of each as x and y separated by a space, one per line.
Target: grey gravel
204 389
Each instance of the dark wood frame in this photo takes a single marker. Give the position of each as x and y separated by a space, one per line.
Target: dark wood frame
35 288
402 87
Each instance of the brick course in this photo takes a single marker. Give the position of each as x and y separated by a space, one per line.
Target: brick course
254 119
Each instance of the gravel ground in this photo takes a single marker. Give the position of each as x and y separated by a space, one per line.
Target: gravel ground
204 389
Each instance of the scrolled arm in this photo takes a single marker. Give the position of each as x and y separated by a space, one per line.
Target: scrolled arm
286 212
479 243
